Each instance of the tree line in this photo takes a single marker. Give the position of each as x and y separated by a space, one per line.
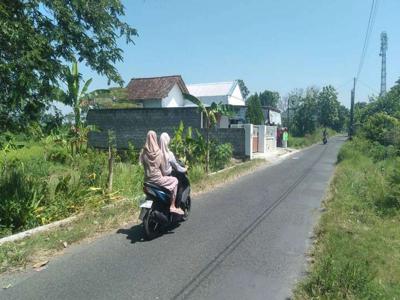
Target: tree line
302 111
40 39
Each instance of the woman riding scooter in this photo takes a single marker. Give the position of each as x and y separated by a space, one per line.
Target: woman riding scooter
151 158
169 161
170 166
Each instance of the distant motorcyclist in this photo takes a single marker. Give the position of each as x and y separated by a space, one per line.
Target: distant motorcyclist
324 136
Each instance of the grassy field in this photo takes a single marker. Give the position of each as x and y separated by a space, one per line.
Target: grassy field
308 139
357 251
94 221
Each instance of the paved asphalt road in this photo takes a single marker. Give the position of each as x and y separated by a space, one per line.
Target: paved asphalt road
245 240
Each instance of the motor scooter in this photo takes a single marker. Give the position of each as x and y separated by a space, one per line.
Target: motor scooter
155 211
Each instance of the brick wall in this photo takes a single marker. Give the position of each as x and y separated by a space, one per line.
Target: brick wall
132 125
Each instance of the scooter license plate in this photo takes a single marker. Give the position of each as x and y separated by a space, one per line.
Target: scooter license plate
145 207
147 204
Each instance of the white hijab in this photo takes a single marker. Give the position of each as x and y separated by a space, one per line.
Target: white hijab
166 168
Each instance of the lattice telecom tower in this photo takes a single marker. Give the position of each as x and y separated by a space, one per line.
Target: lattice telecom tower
384 46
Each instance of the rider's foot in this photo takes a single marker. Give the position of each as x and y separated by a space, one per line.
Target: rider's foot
176 210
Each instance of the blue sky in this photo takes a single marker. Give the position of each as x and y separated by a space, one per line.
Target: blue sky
276 45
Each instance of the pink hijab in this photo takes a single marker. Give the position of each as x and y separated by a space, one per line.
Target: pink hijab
166 168
151 151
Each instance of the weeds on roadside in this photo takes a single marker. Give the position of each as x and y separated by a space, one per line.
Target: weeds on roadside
358 239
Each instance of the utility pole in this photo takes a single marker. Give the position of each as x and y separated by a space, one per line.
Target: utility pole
288 114
351 127
384 46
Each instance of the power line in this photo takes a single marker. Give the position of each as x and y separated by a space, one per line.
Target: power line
369 87
340 86
370 24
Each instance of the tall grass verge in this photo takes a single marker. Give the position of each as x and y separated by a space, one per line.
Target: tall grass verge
308 139
357 253
95 220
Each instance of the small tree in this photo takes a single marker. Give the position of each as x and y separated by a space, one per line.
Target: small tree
269 98
328 107
254 113
212 114
243 88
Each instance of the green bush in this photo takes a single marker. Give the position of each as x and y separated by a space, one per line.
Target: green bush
196 173
20 194
220 155
383 129
371 149
393 197
128 179
59 154
132 154
92 166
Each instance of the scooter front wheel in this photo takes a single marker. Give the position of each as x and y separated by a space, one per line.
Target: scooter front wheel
151 226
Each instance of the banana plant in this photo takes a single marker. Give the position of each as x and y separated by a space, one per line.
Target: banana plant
212 114
74 95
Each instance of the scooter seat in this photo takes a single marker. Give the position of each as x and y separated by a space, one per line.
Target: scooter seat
157 187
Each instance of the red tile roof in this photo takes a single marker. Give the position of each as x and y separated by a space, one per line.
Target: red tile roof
154 87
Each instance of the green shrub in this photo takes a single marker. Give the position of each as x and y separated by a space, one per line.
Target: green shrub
188 147
383 129
196 173
59 154
128 179
220 155
393 197
92 166
20 194
132 154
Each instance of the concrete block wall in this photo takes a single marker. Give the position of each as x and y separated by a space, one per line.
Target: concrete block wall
235 136
132 125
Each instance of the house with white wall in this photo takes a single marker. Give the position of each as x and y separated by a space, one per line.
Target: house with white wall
219 92
157 92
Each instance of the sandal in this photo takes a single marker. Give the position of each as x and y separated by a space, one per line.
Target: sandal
177 211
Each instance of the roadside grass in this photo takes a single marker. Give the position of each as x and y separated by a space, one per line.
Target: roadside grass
357 250
94 221
308 139
206 183
19 254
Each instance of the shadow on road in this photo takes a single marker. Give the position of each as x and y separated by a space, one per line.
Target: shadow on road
136 233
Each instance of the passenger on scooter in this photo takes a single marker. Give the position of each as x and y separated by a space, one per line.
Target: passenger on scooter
151 158
169 160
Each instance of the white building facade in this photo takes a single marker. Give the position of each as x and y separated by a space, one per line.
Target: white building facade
218 92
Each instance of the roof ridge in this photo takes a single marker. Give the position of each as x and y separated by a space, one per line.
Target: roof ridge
156 77
212 83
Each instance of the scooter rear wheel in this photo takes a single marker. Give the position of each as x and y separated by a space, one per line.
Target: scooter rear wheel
151 227
186 208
